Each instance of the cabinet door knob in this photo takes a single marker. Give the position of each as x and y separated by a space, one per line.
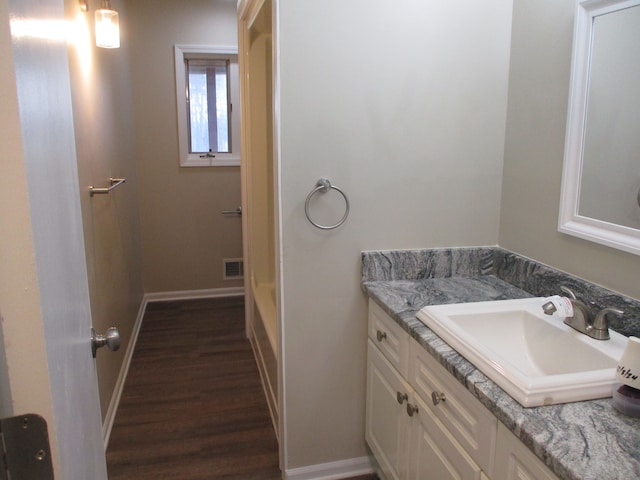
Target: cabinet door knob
437 397
381 335
401 397
411 409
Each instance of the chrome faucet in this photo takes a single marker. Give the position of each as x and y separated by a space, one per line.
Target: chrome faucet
601 323
582 319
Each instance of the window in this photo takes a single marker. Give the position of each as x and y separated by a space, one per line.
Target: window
207 92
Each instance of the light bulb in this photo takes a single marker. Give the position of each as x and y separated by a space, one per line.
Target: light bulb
107 27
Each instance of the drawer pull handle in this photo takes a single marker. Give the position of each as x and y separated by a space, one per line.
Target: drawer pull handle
437 397
381 335
401 397
411 409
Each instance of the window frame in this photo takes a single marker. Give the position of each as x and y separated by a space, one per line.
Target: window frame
229 53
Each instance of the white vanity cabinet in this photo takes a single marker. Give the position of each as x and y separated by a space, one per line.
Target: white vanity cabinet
462 417
421 424
409 436
434 453
387 422
390 338
514 461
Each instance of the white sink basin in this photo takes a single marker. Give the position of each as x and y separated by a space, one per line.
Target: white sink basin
535 358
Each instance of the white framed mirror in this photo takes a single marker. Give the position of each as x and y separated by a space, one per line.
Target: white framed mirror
600 198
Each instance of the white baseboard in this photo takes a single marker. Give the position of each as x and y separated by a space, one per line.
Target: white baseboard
332 471
110 416
194 294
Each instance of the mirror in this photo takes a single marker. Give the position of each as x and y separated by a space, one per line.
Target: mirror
600 198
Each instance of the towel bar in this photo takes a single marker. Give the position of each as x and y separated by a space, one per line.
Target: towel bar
114 182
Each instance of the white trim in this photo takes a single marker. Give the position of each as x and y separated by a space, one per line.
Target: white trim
279 278
220 159
110 416
333 470
569 221
194 294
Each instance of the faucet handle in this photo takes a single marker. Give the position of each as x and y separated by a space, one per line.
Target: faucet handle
569 292
601 321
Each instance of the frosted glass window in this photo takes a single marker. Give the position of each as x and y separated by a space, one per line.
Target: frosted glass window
208 99
208 105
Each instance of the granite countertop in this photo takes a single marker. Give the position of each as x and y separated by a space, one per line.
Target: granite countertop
577 441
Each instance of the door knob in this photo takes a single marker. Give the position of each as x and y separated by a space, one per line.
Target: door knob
111 339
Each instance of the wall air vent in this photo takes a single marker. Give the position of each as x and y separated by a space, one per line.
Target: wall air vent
233 269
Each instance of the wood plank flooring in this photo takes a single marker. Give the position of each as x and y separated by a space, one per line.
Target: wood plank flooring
193 407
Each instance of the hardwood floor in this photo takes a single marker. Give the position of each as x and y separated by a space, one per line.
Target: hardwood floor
193 406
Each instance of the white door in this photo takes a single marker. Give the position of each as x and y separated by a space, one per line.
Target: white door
44 102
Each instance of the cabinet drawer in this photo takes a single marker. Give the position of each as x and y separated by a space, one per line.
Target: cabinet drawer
470 423
390 338
514 461
436 454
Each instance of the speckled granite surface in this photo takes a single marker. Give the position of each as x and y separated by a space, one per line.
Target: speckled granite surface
535 278
578 441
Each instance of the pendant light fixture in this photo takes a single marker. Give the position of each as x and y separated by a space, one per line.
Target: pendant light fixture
107 26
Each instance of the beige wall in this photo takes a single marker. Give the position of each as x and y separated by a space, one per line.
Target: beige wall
184 236
101 93
404 108
538 95
173 211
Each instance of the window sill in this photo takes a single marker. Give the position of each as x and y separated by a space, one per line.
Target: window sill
218 161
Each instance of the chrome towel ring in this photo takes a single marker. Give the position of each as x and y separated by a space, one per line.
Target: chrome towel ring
324 185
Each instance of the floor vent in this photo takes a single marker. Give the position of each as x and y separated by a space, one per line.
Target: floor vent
233 269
